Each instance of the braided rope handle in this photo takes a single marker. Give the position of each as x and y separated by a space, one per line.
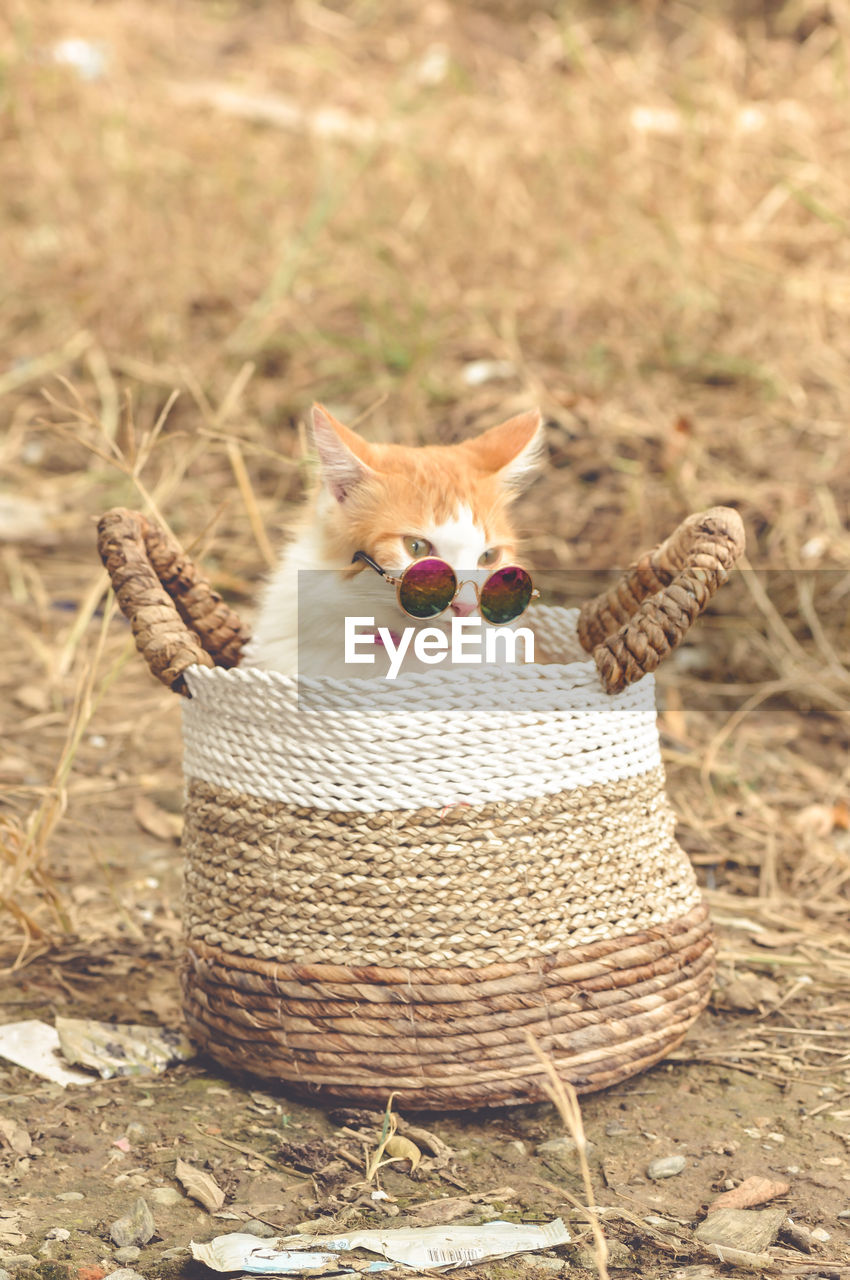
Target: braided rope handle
632 627
178 620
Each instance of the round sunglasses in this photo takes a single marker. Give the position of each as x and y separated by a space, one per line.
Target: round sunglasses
427 587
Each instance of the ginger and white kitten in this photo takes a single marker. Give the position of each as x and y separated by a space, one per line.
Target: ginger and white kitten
396 503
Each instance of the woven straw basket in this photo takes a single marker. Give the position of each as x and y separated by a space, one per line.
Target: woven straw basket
389 884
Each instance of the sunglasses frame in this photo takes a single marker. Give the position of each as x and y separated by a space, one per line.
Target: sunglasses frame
459 582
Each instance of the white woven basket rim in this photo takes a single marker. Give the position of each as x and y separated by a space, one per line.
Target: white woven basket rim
473 735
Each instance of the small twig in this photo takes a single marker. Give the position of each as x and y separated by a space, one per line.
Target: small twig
349 1159
249 1151
233 394
369 410
43 366
425 1138
565 1099
255 520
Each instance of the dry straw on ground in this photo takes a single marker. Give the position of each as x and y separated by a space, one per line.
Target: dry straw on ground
635 216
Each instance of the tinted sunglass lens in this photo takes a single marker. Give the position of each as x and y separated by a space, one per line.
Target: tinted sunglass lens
427 588
506 594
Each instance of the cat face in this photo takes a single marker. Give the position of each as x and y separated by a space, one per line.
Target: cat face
400 503
397 504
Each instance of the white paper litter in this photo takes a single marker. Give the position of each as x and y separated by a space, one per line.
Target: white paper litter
239 1252
431 1248
35 1045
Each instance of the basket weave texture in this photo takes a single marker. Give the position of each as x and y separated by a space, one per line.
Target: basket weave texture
389 884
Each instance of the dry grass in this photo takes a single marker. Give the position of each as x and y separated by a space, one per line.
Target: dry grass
564 1098
643 210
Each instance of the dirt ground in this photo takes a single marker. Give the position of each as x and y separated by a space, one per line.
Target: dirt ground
281 1163
429 216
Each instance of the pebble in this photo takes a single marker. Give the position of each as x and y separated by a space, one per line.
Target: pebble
844 1213
665 1167
253 1227
58 1233
615 1130
169 1254
555 1265
70 1195
564 1147
5 1275
619 1257
135 1131
166 1195
804 1237
129 1253
124 1273
136 1227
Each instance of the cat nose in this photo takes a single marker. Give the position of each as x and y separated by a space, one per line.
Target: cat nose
463 608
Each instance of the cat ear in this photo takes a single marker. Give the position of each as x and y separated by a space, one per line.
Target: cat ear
342 454
512 450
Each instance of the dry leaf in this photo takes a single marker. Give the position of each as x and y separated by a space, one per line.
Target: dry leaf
399 1148
16 1136
745 992
200 1186
776 938
752 1191
156 821
437 1213
426 1139
434 1213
